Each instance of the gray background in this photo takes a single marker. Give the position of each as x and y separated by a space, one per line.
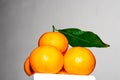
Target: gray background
23 21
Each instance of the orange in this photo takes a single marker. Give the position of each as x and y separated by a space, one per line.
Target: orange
46 59
55 39
27 67
79 60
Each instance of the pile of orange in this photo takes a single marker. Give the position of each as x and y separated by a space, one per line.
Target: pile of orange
52 55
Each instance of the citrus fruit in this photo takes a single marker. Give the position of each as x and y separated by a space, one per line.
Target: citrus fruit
55 39
27 67
46 59
79 60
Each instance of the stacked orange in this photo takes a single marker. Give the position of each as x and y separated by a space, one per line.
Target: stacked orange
52 55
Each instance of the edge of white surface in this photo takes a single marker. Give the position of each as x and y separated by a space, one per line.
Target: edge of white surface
42 76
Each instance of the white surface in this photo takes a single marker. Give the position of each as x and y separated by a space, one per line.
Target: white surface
39 76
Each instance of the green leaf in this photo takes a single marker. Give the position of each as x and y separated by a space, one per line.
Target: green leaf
77 37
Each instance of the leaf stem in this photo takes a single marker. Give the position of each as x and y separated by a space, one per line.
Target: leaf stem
54 29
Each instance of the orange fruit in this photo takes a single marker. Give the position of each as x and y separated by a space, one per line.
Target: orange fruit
55 39
79 60
46 59
27 67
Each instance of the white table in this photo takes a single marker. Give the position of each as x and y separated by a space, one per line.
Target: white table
41 76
